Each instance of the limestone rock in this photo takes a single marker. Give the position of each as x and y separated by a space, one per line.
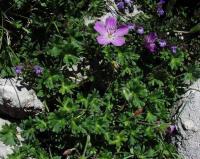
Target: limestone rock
188 123
17 101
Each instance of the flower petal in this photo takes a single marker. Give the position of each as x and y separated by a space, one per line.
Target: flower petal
111 23
120 5
151 47
140 30
151 38
121 31
103 40
100 28
118 41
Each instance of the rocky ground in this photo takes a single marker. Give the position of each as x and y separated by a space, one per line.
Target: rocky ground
16 102
188 123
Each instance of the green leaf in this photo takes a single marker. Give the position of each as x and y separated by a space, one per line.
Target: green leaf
8 134
149 132
150 117
195 29
52 81
67 87
41 125
59 125
70 60
55 51
175 63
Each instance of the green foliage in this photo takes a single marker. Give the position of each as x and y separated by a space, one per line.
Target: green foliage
101 101
9 134
195 29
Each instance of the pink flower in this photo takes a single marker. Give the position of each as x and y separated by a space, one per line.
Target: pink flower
110 33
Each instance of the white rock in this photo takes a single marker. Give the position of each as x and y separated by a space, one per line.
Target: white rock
5 150
17 101
188 123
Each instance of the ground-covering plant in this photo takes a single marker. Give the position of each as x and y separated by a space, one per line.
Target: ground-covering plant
108 87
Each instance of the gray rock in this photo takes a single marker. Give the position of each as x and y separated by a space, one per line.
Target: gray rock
17 101
188 123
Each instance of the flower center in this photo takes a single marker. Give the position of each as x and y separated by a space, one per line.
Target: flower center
110 36
111 32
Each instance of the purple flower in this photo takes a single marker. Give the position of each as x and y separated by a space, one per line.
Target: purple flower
131 26
171 129
162 1
160 11
174 49
140 30
151 47
38 70
110 33
128 1
151 38
162 43
120 5
18 69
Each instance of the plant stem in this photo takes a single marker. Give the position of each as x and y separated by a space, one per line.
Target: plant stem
86 145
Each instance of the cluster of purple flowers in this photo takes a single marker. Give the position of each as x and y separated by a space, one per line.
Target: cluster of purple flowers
139 29
122 4
38 70
152 42
110 33
160 10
